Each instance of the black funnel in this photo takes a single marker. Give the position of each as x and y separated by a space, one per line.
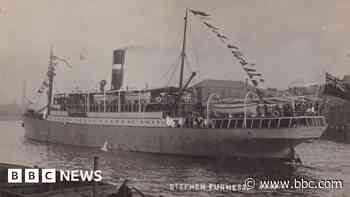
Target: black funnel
117 69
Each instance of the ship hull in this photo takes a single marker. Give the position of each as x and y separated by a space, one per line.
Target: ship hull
239 143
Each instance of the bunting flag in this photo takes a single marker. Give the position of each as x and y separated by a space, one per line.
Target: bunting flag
251 75
249 69
45 84
243 62
232 47
210 26
237 54
54 63
221 36
336 87
51 72
215 31
55 58
41 89
51 68
199 13
254 76
255 82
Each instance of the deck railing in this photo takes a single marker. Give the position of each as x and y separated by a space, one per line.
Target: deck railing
268 123
104 108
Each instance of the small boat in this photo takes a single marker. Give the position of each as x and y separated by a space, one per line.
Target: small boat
235 108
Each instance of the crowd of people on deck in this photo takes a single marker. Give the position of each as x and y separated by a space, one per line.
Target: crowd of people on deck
191 120
290 109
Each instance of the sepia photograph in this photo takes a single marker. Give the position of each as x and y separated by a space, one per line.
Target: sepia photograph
174 98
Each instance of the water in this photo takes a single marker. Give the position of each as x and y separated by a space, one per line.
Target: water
153 173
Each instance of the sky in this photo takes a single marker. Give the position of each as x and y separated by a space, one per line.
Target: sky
290 41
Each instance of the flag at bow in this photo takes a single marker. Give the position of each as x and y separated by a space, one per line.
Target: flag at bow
56 58
54 61
336 87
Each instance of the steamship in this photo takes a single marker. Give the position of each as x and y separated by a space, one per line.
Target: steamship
169 120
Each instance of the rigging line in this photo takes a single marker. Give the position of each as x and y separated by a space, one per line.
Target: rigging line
196 57
172 75
170 68
195 51
188 67
190 70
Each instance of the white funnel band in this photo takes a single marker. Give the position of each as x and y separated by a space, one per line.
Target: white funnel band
117 66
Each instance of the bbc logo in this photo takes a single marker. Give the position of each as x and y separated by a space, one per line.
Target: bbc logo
31 175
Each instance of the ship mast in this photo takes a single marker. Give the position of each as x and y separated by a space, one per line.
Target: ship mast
183 52
50 75
179 107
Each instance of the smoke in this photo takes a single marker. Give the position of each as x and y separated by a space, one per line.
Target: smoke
147 48
133 47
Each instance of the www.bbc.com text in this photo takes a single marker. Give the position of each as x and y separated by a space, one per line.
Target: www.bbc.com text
294 184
